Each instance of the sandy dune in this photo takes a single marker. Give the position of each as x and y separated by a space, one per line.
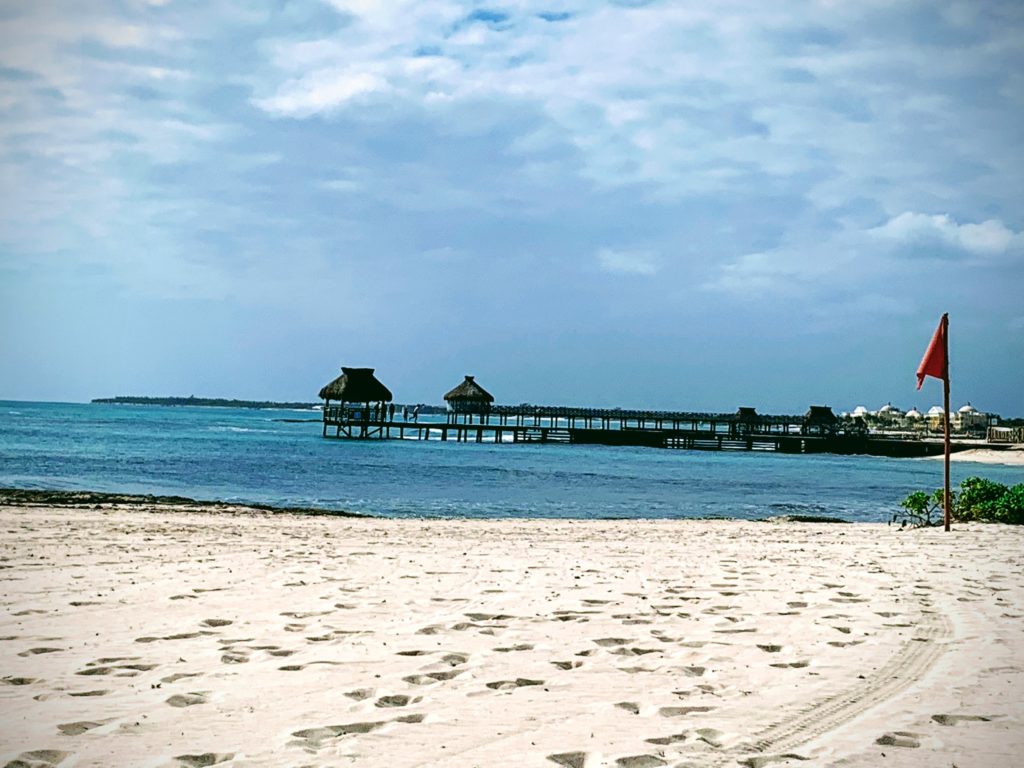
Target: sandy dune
181 638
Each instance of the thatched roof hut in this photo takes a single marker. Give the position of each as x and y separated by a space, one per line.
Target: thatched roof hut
820 419
356 385
819 414
746 415
469 397
745 421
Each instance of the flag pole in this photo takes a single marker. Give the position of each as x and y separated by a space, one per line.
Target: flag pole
947 499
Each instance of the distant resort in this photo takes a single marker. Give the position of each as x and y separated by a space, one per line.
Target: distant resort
357 405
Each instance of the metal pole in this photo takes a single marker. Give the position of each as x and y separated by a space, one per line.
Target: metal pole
945 398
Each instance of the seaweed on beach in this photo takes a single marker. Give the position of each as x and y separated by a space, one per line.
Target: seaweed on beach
23 497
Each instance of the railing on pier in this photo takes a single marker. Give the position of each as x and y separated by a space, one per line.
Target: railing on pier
620 418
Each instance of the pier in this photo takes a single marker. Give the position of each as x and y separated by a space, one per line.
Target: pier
740 431
363 410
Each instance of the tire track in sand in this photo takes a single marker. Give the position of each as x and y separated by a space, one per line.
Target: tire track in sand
904 668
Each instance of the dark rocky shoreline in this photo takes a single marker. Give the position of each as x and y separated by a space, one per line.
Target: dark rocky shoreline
22 497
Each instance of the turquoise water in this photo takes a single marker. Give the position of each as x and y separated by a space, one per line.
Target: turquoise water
251 455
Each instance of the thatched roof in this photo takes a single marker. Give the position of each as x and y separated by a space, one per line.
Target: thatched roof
819 414
356 385
469 392
747 414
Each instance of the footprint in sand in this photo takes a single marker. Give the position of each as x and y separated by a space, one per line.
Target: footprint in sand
610 642
710 736
38 758
762 760
639 761
569 759
395 701
179 676
360 694
205 759
682 711
315 737
18 680
89 693
956 719
217 622
234 658
76 729
904 739
432 677
633 651
510 685
36 651
629 706
186 699
664 741
513 648
568 664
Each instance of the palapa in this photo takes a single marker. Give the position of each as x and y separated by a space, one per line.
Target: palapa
469 397
356 385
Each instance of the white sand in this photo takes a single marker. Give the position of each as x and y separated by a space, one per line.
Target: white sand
134 638
1011 456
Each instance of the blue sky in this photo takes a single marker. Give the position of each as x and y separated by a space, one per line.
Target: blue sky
678 205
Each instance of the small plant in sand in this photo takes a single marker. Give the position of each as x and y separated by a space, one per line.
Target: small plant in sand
977 499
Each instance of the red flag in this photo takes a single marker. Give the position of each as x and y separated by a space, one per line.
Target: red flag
934 361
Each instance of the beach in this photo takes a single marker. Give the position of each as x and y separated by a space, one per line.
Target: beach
161 636
1013 456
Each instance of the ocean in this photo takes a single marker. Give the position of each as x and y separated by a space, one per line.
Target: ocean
266 456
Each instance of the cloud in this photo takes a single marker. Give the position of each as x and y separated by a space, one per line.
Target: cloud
989 238
628 262
688 100
321 92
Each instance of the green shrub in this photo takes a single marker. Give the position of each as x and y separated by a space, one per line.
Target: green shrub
977 500
1008 508
919 507
977 497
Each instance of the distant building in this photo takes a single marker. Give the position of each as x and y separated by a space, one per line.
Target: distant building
970 419
935 417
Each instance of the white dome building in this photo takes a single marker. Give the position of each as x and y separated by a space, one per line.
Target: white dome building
890 413
935 416
913 415
970 418
860 410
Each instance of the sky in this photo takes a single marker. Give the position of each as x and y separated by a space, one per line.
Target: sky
675 205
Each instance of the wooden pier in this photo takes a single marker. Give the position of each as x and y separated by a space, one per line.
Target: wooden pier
741 431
